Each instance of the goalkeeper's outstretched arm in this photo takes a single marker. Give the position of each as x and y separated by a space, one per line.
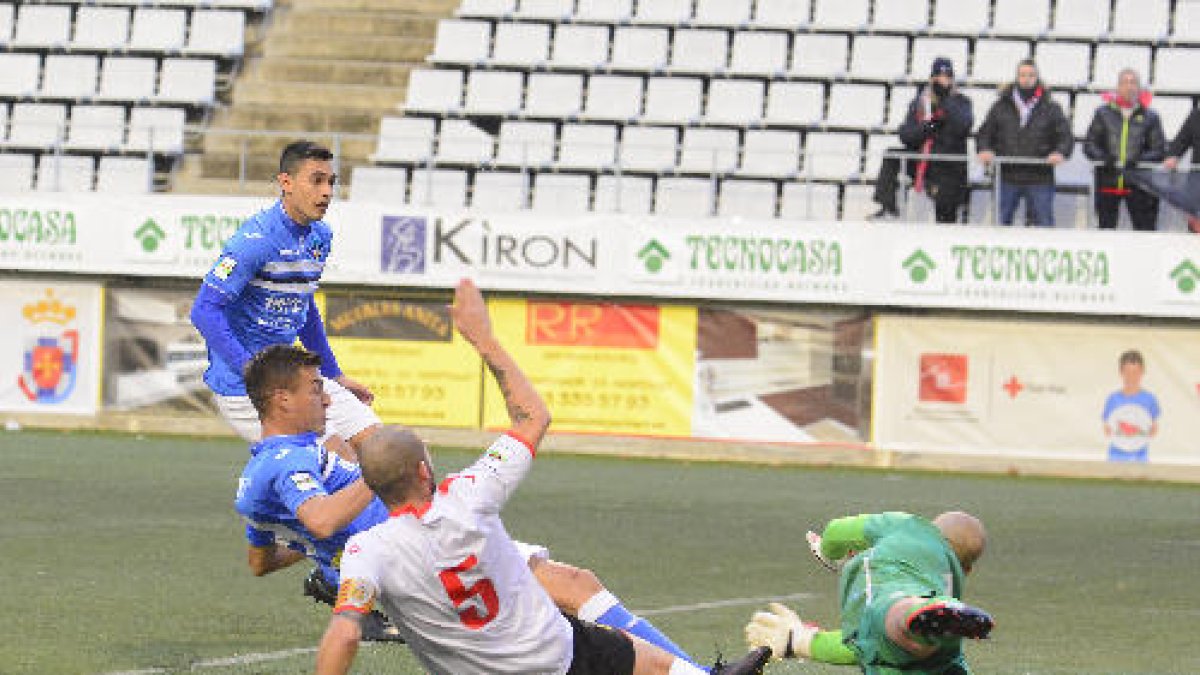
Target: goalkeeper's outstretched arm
790 638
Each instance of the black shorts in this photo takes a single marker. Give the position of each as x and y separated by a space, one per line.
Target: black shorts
600 650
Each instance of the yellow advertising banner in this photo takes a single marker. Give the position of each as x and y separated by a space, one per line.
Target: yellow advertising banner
406 350
601 367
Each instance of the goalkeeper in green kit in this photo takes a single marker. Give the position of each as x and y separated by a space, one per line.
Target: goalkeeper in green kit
900 582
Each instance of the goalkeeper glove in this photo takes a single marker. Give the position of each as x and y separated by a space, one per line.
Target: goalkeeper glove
814 545
782 630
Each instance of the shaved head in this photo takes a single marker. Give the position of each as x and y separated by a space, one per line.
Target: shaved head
391 459
965 534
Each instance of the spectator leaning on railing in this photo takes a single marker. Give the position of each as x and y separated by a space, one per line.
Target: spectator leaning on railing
1025 122
1188 138
938 122
1124 132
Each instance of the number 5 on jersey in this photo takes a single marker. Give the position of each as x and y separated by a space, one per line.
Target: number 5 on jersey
459 594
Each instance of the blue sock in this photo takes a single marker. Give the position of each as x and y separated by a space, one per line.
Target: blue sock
614 615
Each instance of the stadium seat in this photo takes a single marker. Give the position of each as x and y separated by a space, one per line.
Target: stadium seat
879 57
785 14
437 91
158 30
961 17
722 13
575 46
1186 25
1084 110
925 50
65 173
191 81
405 139
127 78
613 97
501 191
462 42
623 194
770 153
898 104
526 45
1172 110
604 11
526 144
648 149
1141 20
16 172
554 11
37 125
1021 18
847 15
124 175
379 184
858 202
441 188
832 155
96 127
709 151
493 92
699 51
560 193
460 142
666 12
639 48
43 26
1111 59
101 28
158 130
491 9
554 95
684 197
981 99
795 104
820 55
217 33
747 198
809 201
856 106
877 145
260 6
673 100
996 61
1085 19
1173 69
901 16
587 146
759 53
7 17
1064 64
19 74
72 77
735 102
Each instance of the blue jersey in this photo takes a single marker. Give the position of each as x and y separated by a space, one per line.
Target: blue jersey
269 271
1130 419
283 473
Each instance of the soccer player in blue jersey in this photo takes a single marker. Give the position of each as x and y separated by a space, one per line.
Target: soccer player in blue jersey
260 292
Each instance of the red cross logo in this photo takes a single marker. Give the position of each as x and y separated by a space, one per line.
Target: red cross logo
1013 386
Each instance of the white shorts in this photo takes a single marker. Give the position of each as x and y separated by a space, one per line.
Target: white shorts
345 417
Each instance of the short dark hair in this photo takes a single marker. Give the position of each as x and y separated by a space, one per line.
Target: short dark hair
297 151
275 368
1027 62
1132 357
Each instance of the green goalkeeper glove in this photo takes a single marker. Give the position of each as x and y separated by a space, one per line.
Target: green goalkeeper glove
814 545
782 630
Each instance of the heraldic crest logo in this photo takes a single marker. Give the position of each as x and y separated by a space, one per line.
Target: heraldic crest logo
51 354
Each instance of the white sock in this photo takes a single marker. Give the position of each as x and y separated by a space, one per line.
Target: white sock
681 667
596 606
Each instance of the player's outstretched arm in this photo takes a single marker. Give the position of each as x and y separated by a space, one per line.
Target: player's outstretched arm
326 515
339 645
789 637
528 412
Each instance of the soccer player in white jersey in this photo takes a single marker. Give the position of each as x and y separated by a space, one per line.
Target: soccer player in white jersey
445 570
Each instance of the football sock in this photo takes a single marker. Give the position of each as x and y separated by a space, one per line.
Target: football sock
606 609
682 667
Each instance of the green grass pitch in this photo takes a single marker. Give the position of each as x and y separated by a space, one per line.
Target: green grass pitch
123 554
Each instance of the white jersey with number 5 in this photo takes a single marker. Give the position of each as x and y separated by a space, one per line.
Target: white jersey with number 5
454 583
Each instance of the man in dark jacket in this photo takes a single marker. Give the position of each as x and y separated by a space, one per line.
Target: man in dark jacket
939 120
1025 122
1188 138
1124 132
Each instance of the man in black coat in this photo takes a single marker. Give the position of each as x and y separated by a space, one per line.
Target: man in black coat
939 120
1124 132
1025 122
1188 138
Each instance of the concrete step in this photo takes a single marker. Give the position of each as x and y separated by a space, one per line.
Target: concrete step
301 95
271 146
260 168
362 23
351 47
307 119
441 8
287 69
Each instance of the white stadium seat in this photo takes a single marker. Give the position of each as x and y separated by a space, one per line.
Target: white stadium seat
379 184
877 145
192 81
493 92
217 32
460 142
7 19
786 14
546 10
820 55
981 99
439 91
613 97
1141 19
101 28
747 198
770 153
650 149
1172 110
809 201
587 146
702 51
124 175
1021 18
683 197
961 17
405 139
832 155
19 74
577 46
879 57
37 125
857 202
1064 64
795 103
735 102
439 188
1111 59
723 13
65 173
462 42
996 61
158 30
901 16
849 15
16 172
500 191
1186 26
604 11
521 44
45 26
856 106
668 12
623 194
561 193
96 127
69 76
1173 69
1086 19
925 50
673 100
526 144
554 95
759 53
1083 112
709 151
491 9
127 78
898 104
156 129
639 48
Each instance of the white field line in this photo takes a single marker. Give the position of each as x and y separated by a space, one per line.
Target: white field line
714 604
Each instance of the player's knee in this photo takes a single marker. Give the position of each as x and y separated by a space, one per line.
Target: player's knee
568 586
